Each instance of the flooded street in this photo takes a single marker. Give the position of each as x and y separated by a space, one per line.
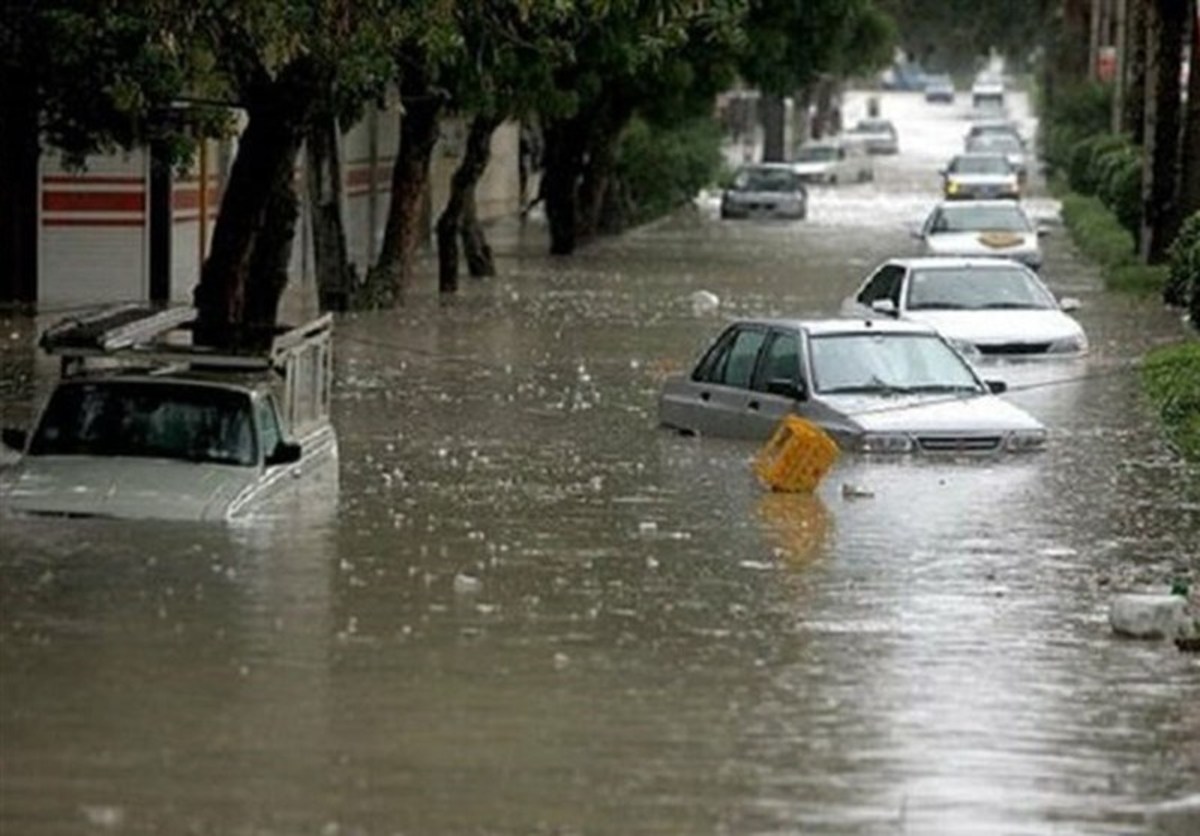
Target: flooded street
526 609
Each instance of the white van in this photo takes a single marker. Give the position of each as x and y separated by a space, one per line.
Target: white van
832 161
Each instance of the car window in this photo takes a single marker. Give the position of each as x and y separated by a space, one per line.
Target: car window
268 424
714 358
885 284
850 363
977 288
780 360
998 215
738 366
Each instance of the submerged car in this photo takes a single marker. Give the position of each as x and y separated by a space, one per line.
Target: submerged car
979 228
939 88
984 307
833 161
765 190
878 135
144 425
876 386
980 177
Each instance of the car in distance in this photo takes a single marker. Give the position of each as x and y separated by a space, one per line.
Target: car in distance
980 177
878 135
833 161
875 385
993 308
939 88
981 228
988 127
1001 143
142 425
765 190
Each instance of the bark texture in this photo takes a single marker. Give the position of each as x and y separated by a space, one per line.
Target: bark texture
565 143
336 277
452 223
407 217
1189 188
20 153
773 128
1160 178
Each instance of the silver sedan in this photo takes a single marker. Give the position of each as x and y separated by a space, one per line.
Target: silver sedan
876 386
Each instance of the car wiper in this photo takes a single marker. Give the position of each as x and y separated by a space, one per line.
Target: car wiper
936 306
944 387
875 385
1011 306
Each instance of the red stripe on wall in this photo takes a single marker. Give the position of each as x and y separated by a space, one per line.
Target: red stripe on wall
88 179
93 202
96 222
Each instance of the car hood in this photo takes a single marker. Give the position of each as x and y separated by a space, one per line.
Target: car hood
743 196
1000 326
933 413
981 242
983 179
124 488
813 167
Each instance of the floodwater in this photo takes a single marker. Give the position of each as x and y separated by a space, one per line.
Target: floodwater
527 610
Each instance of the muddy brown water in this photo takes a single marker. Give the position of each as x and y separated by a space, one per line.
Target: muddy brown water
519 607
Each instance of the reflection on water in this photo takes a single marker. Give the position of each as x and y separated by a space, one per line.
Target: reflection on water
519 607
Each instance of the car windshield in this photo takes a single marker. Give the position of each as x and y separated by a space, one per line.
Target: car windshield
765 180
887 364
874 126
816 154
995 142
982 164
1002 216
147 420
977 288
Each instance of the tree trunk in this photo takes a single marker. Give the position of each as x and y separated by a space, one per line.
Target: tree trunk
1134 116
480 261
1160 176
560 176
1121 40
1189 186
772 122
404 228
336 277
462 185
20 155
603 140
255 209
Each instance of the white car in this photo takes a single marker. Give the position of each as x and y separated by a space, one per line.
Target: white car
163 430
980 177
981 228
875 385
833 161
770 190
1007 144
878 135
984 307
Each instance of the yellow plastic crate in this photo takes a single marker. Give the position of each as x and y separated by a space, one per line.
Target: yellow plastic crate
797 456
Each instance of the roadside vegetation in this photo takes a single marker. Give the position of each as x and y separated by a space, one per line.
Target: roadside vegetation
1171 378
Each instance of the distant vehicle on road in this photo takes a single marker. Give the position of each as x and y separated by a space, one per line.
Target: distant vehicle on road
980 177
1001 143
144 425
981 228
875 385
765 190
833 161
987 92
879 135
939 88
903 76
984 307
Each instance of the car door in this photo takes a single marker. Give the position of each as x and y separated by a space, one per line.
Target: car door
779 369
719 390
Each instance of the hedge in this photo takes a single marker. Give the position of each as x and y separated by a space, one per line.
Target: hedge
1171 379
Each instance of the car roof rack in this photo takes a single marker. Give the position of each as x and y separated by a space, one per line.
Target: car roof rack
138 335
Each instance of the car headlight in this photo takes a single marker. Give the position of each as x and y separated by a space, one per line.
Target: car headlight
1068 345
1025 441
885 443
951 187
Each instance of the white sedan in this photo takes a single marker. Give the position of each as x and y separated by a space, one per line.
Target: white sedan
990 307
981 228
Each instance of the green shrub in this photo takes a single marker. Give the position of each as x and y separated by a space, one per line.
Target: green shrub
1073 115
1171 379
1082 171
1096 231
1183 281
662 168
1136 278
1119 185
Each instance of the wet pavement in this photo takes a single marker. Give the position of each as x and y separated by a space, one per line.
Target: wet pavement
527 610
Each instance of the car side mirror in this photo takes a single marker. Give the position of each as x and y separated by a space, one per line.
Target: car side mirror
997 387
943 171
786 388
14 438
285 452
1069 303
1042 232
887 307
